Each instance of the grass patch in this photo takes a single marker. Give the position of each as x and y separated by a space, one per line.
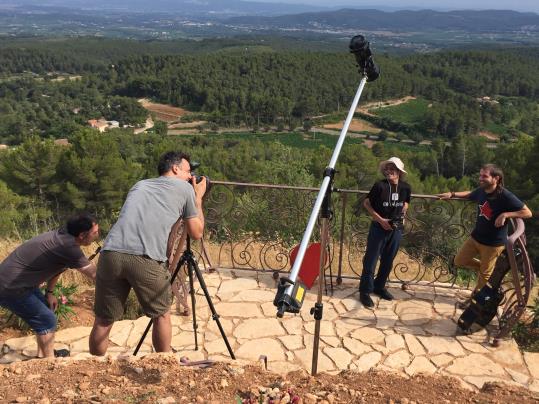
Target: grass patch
496 128
311 140
410 112
397 146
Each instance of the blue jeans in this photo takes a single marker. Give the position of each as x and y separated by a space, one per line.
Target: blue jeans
381 244
33 308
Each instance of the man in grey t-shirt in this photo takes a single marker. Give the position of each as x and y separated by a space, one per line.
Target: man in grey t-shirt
135 251
39 260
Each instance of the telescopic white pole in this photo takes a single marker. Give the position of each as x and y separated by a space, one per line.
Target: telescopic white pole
320 198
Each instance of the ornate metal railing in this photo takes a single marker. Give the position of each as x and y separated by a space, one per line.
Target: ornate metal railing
255 226
517 285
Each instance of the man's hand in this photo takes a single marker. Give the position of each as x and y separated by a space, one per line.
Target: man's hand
200 188
52 301
385 224
445 195
500 220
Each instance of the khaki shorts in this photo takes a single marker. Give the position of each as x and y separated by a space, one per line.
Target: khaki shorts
117 273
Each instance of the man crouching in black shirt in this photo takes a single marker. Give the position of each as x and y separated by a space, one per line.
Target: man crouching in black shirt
387 203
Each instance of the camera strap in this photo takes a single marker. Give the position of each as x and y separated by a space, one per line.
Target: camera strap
392 197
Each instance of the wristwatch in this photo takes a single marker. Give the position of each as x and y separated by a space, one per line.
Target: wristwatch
47 291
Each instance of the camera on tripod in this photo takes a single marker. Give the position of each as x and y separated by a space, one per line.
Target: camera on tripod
360 47
198 178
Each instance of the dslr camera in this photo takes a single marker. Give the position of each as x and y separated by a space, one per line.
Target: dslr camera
397 222
198 178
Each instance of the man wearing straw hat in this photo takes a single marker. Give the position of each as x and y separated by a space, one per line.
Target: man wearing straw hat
387 203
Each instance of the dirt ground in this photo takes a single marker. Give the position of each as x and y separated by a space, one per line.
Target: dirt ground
489 135
356 125
186 125
164 112
159 378
364 108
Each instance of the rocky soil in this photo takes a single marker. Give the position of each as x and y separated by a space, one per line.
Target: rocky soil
160 378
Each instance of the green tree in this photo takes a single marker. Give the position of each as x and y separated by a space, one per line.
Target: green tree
95 177
30 169
161 128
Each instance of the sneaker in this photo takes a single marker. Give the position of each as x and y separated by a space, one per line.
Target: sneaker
61 353
384 294
366 300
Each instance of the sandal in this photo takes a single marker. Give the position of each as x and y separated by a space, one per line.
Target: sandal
61 353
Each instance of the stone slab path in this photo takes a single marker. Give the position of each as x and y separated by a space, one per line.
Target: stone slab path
415 333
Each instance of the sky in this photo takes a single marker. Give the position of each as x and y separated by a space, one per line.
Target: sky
518 5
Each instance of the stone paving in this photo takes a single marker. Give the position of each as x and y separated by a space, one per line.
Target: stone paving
415 333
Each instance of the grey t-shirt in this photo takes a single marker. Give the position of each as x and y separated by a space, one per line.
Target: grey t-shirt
148 214
38 260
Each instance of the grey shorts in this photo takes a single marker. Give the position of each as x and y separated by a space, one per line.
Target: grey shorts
117 273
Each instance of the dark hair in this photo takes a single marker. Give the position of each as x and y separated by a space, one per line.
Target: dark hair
167 160
80 223
495 171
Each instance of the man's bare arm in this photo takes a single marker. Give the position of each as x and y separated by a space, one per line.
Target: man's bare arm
524 213
458 194
376 217
195 225
89 271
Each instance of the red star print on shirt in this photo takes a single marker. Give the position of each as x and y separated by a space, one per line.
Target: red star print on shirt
485 210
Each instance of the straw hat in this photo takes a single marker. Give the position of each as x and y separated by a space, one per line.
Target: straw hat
393 160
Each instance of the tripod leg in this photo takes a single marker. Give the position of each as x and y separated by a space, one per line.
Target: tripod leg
143 337
204 253
190 268
215 316
330 272
318 308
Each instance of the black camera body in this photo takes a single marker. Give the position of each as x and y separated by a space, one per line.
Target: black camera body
360 47
198 178
397 222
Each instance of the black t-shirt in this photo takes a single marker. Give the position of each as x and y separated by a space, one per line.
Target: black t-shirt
388 199
489 207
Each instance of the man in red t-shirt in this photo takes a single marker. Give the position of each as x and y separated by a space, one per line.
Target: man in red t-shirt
495 204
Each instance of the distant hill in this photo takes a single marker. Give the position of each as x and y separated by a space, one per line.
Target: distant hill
206 8
403 21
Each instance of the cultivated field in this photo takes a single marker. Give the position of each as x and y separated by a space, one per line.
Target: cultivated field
357 125
164 112
364 108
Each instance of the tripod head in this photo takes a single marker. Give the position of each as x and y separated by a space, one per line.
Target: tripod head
360 47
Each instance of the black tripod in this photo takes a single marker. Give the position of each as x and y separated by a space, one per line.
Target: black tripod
192 267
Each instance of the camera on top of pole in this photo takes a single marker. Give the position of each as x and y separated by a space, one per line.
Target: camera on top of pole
291 290
361 49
